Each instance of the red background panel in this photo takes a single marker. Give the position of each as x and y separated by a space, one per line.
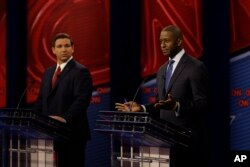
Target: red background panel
157 14
87 21
240 25
2 53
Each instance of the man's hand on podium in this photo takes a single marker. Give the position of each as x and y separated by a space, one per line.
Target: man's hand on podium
130 106
58 118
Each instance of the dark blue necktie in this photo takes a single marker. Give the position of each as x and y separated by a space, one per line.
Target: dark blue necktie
169 72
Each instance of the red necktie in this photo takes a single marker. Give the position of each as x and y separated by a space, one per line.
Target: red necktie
56 76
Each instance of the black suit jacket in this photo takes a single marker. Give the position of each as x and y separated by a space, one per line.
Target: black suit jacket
69 99
189 85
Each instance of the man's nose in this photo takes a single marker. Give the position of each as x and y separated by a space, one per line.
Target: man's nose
64 48
163 44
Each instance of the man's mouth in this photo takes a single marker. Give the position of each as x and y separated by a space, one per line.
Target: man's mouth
165 51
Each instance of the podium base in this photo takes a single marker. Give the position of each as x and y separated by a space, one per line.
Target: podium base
31 152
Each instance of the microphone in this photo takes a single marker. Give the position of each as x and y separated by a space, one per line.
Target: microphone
25 90
137 92
139 88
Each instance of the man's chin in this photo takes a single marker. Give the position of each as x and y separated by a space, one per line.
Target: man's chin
65 58
165 53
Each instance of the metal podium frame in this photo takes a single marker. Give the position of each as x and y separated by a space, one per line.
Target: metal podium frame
27 138
133 133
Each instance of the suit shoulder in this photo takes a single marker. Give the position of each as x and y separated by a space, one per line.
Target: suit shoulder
163 67
50 69
197 66
194 61
79 66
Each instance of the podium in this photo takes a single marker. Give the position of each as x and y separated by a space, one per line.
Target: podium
27 138
138 140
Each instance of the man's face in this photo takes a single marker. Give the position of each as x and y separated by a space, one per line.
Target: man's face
63 50
170 45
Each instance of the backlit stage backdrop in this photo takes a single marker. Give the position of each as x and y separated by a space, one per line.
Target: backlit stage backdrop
240 76
2 53
87 21
160 13
156 15
240 102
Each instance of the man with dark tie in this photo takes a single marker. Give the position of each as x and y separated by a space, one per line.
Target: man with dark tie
65 95
182 95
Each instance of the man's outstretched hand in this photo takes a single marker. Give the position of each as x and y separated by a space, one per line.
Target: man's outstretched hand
169 104
130 106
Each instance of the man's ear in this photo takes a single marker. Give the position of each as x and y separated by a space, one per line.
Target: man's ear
179 41
53 50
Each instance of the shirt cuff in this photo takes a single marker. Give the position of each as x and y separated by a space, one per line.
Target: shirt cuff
177 110
143 108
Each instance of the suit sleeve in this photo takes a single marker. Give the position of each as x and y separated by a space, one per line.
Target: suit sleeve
81 95
199 83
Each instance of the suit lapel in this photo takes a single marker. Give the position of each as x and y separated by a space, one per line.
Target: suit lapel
161 81
48 80
63 73
177 71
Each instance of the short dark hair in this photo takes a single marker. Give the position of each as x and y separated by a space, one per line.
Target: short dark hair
175 30
60 36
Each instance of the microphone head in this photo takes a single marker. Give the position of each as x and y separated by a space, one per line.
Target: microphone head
139 88
25 90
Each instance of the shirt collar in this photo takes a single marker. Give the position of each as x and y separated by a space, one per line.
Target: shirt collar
64 64
178 56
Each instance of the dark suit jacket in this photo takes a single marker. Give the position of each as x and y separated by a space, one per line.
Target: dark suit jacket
189 85
69 99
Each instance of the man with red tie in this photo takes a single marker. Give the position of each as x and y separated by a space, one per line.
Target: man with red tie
65 95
